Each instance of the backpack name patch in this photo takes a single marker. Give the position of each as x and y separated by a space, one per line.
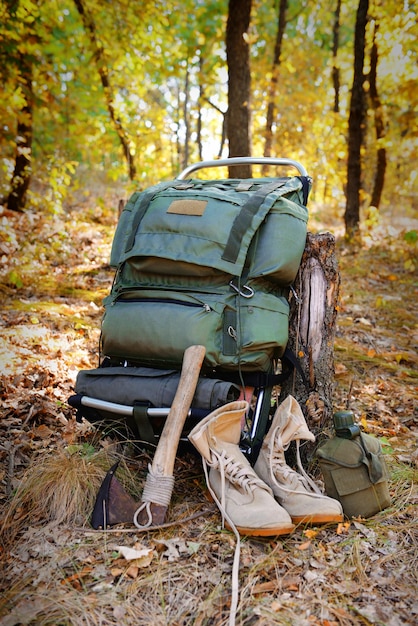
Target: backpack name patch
187 207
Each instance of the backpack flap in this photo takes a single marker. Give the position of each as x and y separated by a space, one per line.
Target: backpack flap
207 263
210 224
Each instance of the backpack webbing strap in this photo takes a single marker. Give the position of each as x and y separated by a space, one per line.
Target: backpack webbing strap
290 362
143 424
243 220
372 461
144 201
305 180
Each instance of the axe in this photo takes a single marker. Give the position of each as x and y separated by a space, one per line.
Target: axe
159 483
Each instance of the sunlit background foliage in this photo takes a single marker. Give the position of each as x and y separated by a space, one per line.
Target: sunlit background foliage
166 65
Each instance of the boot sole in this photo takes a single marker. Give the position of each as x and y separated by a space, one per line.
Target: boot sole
257 532
318 519
263 532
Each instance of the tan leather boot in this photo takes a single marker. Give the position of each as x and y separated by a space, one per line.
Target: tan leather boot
243 499
295 491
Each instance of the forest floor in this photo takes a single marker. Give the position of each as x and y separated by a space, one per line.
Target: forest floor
56 570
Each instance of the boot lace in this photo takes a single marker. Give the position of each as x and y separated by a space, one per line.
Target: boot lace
236 473
279 467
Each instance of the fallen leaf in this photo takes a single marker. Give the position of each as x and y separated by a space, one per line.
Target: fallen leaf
266 587
140 554
367 532
116 571
74 579
132 571
174 547
43 432
409 265
193 546
363 320
364 423
340 369
342 528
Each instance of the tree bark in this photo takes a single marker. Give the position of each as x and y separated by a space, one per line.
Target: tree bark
379 124
312 327
24 132
199 112
356 126
335 46
268 133
239 81
186 120
90 28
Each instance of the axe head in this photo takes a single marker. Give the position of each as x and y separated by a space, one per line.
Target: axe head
113 505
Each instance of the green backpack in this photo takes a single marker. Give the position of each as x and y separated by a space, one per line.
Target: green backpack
208 263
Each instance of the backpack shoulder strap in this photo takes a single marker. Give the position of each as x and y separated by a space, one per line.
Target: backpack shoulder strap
243 220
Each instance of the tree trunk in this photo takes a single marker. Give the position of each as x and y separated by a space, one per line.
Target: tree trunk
23 161
199 112
90 28
179 157
356 126
379 124
186 120
335 46
239 81
312 327
268 133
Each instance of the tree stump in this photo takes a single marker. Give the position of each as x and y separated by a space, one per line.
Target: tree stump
312 327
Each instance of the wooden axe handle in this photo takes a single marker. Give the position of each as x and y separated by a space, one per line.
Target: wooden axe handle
154 507
165 454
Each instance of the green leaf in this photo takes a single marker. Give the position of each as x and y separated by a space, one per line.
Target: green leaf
411 237
83 449
14 279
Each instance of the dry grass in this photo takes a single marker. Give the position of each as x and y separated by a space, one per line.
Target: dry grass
363 572
60 488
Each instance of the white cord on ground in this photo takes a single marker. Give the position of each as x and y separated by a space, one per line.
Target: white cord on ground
237 552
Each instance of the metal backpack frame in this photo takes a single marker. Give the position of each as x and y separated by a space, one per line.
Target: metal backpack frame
137 418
